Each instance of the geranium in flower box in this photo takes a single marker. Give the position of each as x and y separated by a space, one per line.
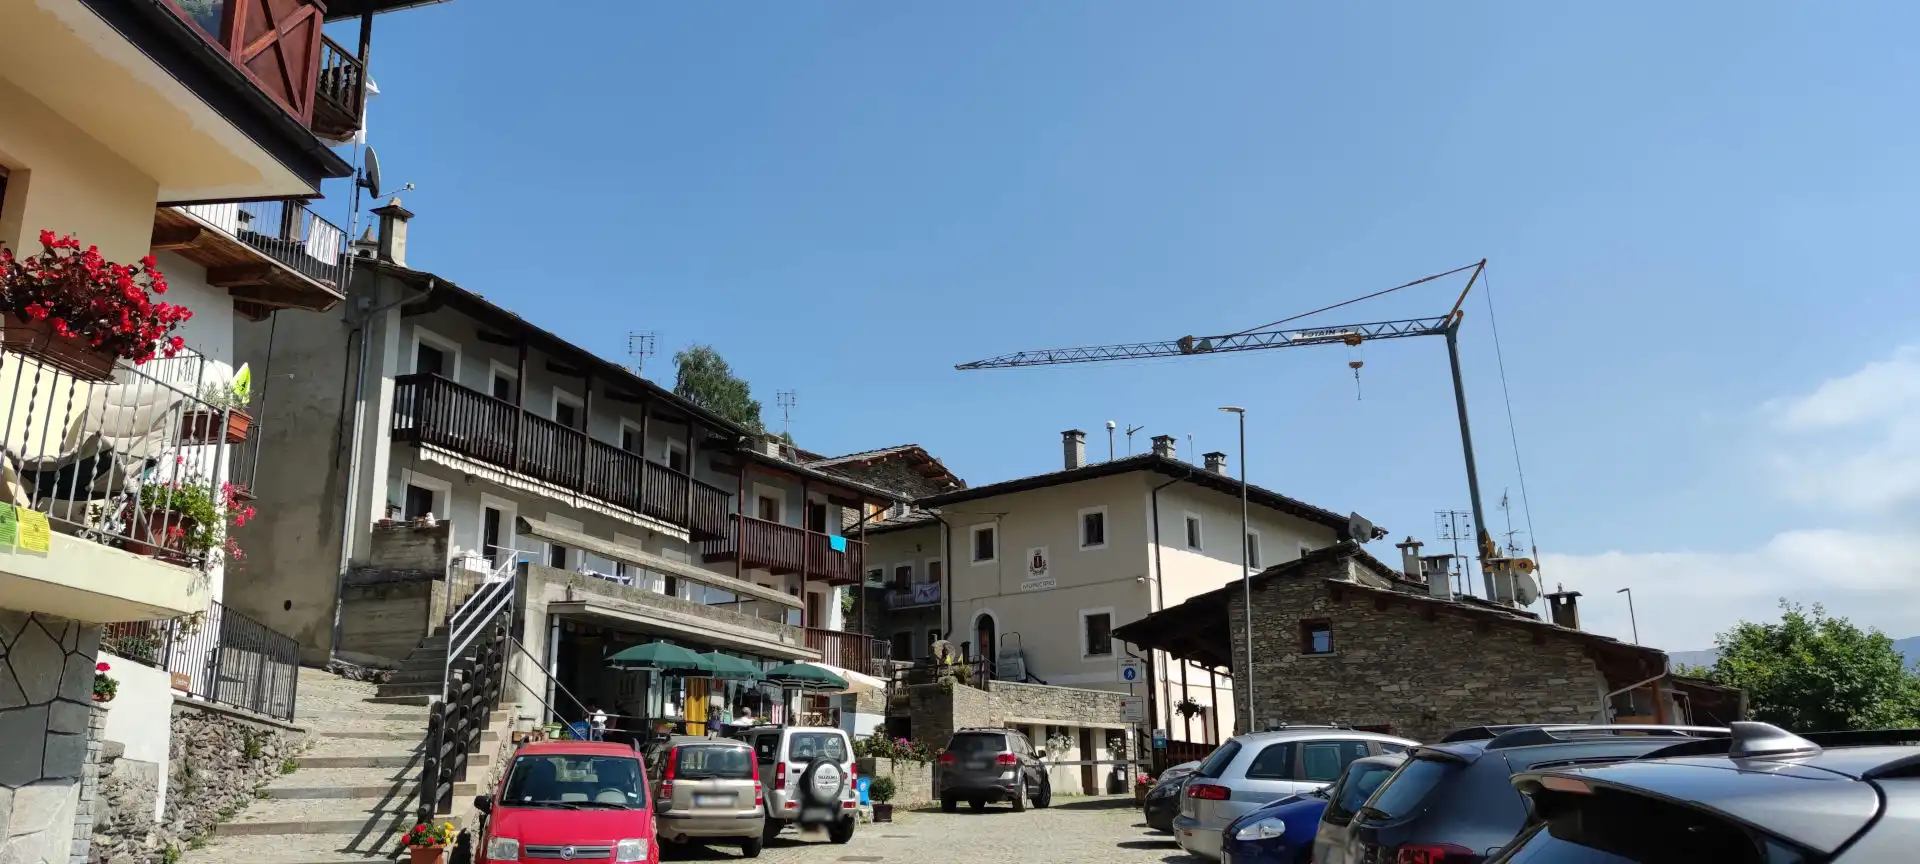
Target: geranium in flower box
77 312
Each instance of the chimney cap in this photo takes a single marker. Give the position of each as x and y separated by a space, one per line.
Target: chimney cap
394 209
1215 455
1158 438
1073 433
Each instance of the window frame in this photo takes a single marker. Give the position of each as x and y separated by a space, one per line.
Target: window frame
639 437
442 493
497 370
1194 532
571 558
578 404
779 495
509 535
927 567
1310 626
675 445
1086 646
893 574
973 543
443 345
1254 561
1287 750
1080 527
1306 549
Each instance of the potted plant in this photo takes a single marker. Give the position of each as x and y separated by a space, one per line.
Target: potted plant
427 843
77 312
1141 786
104 686
221 416
177 521
881 791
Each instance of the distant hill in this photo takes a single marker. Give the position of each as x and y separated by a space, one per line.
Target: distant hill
1909 648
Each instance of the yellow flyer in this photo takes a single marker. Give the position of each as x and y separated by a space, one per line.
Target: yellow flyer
35 534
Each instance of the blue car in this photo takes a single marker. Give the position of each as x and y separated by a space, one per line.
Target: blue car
1283 832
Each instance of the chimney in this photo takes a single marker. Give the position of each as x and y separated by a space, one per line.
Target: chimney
1217 462
1163 446
1410 558
1564 607
1073 443
367 246
393 231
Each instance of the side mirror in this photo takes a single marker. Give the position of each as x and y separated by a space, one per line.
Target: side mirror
483 803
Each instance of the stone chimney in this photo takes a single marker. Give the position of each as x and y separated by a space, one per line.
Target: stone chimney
1564 606
393 231
1410 559
1217 462
1073 444
1163 446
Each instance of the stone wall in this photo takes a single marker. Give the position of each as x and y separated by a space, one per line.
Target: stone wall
936 710
218 758
381 622
1393 667
46 708
1040 703
913 781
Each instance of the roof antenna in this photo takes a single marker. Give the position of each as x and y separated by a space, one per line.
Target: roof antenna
1130 430
640 346
1110 428
786 399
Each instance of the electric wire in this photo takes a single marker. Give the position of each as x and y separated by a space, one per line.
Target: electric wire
1421 281
1513 434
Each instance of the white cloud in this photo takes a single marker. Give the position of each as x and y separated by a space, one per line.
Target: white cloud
1849 452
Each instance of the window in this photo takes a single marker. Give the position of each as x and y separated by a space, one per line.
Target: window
934 567
556 556
1194 536
490 519
435 355
1305 550
817 517
567 409
677 456
503 382
1096 633
1253 549
1316 637
429 360
876 576
986 543
1093 528
1323 761
1273 763
902 644
530 782
1218 762
769 508
419 501
902 575
631 440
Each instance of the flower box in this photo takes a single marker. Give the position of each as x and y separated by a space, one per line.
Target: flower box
69 354
206 426
162 534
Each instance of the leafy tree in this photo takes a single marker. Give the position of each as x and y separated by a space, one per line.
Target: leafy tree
704 379
1815 673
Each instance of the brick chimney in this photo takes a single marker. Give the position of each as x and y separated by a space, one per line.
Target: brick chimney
1564 606
1163 446
393 231
1073 444
1217 462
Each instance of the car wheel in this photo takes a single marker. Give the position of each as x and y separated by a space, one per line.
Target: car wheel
1045 798
977 804
948 803
750 847
1020 797
841 832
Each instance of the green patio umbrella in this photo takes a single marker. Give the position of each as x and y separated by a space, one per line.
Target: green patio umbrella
729 667
805 676
662 657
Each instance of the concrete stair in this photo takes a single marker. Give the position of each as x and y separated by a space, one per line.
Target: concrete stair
422 673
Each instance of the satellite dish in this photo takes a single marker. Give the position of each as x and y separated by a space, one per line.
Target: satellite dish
1526 589
1359 529
370 173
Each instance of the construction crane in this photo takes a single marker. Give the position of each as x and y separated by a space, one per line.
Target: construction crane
1493 564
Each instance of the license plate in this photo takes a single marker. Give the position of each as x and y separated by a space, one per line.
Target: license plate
977 765
712 800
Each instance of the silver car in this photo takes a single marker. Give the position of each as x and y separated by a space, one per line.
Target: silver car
1254 769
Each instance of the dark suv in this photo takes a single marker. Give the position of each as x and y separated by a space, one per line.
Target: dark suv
1453 802
983 765
1762 796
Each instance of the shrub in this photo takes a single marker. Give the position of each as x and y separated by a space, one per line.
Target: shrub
881 790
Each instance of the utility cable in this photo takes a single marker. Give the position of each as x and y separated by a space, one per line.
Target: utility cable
1513 434
1420 281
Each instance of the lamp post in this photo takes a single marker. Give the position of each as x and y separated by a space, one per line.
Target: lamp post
1246 562
1630 616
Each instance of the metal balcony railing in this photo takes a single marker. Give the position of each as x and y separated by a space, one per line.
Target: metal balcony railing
789 549
285 231
220 656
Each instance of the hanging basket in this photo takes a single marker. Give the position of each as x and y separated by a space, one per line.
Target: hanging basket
36 339
208 426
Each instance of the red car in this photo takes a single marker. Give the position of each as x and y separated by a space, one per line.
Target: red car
566 801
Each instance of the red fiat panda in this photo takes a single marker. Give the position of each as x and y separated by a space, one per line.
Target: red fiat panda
569 801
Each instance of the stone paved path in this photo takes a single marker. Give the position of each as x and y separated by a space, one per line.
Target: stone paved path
1073 831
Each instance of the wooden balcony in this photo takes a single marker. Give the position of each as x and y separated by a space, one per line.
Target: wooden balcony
429 409
782 549
855 651
279 46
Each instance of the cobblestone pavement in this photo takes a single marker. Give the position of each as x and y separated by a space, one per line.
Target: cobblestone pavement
1072 831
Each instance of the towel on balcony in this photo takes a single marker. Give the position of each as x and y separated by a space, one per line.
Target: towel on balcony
837 543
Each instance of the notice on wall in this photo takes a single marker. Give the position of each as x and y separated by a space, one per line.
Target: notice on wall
1039 570
9 528
35 534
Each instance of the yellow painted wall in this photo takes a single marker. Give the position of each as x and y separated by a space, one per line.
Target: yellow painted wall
61 179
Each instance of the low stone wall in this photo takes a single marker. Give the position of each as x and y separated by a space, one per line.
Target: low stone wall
1041 703
913 781
217 759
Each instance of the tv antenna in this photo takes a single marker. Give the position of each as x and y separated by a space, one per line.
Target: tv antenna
1506 506
786 399
1455 526
1130 430
640 346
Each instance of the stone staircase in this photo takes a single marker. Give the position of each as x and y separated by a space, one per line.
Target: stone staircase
421 675
356 788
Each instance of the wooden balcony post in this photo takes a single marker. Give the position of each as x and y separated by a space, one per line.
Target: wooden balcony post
520 406
693 459
806 549
586 423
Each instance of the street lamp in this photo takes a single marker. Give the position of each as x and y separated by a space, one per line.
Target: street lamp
1630 616
1246 561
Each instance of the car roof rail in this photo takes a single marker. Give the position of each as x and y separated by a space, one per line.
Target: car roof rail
1822 740
1489 732
1528 736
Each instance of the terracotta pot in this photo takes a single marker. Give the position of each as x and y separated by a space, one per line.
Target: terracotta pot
427 854
205 426
150 536
102 699
36 339
883 812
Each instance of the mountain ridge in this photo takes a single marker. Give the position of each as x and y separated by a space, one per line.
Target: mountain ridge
1909 649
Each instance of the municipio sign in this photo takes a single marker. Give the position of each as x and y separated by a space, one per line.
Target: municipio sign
1133 710
1039 568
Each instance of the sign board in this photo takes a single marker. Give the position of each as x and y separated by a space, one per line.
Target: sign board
1159 739
1133 709
1039 570
182 681
1133 670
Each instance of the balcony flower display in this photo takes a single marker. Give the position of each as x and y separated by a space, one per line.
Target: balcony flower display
74 310
105 687
183 521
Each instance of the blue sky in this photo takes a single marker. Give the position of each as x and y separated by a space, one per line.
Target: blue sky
1698 222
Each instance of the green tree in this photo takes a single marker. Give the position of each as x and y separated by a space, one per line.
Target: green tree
703 378
1815 673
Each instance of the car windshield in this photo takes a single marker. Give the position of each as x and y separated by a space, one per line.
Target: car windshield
1408 787
1218 762
805 746
1361 784
712 762
971 745
564 780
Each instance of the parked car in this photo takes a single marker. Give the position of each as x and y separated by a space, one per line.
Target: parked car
987 765
1762 795
1255 769
1163 800
1452 802
1283 832
812 778
708 790
564 799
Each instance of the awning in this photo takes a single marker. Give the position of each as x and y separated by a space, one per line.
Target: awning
647 560
700 633
857 681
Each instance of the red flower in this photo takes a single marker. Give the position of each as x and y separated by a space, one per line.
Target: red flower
101 667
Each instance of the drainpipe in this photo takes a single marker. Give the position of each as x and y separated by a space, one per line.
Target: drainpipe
946 591
1160 594
350 511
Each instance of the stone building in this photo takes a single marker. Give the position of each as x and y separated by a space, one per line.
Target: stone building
1339 637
